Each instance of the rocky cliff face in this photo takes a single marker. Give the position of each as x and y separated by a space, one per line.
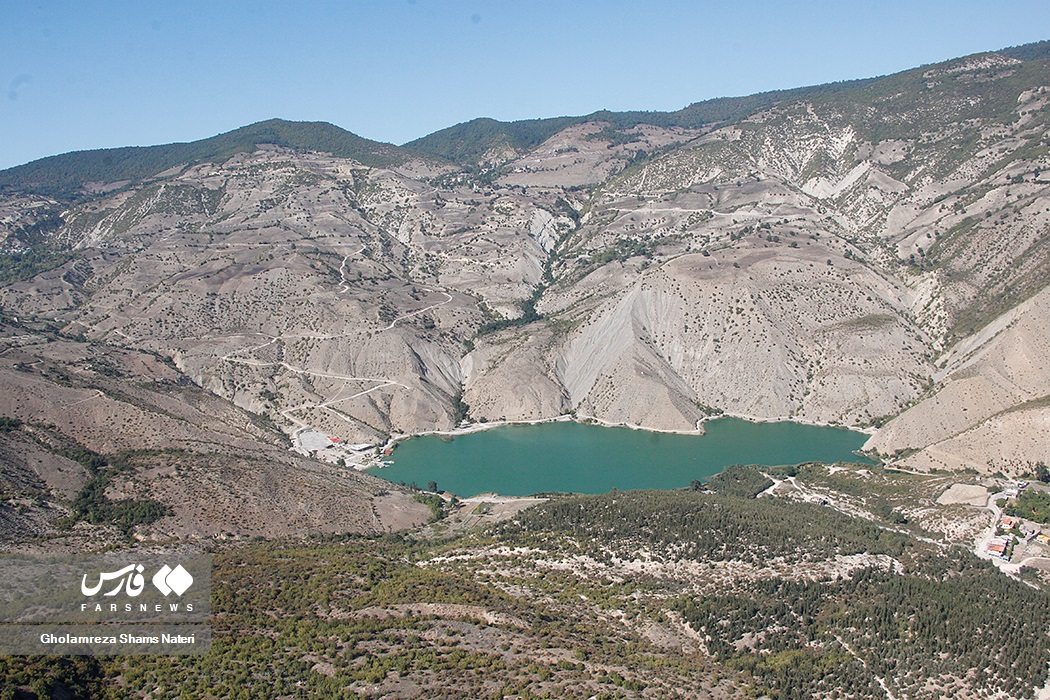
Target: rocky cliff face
844 258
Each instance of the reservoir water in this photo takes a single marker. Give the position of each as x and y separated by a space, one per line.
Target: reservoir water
518 460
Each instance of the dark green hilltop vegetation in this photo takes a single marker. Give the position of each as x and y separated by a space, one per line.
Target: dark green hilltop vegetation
64 176
1028 52
466 143
628 594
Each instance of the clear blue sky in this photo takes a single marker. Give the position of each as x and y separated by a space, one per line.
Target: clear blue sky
79 75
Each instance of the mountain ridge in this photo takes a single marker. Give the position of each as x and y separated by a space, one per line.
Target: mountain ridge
64 175
466 142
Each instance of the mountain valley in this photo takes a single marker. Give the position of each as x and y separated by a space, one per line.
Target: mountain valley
837 258
202 344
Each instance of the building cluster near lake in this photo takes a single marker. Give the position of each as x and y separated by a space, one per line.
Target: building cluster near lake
1017 538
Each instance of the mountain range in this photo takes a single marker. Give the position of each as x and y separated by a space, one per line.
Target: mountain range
872 254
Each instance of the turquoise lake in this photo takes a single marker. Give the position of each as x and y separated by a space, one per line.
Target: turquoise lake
518 460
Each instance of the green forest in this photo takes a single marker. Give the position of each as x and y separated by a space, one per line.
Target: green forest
553 603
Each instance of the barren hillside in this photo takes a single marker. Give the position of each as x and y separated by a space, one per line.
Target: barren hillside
839 255
97 439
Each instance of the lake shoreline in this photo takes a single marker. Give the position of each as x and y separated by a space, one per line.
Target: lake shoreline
569 455
471 428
